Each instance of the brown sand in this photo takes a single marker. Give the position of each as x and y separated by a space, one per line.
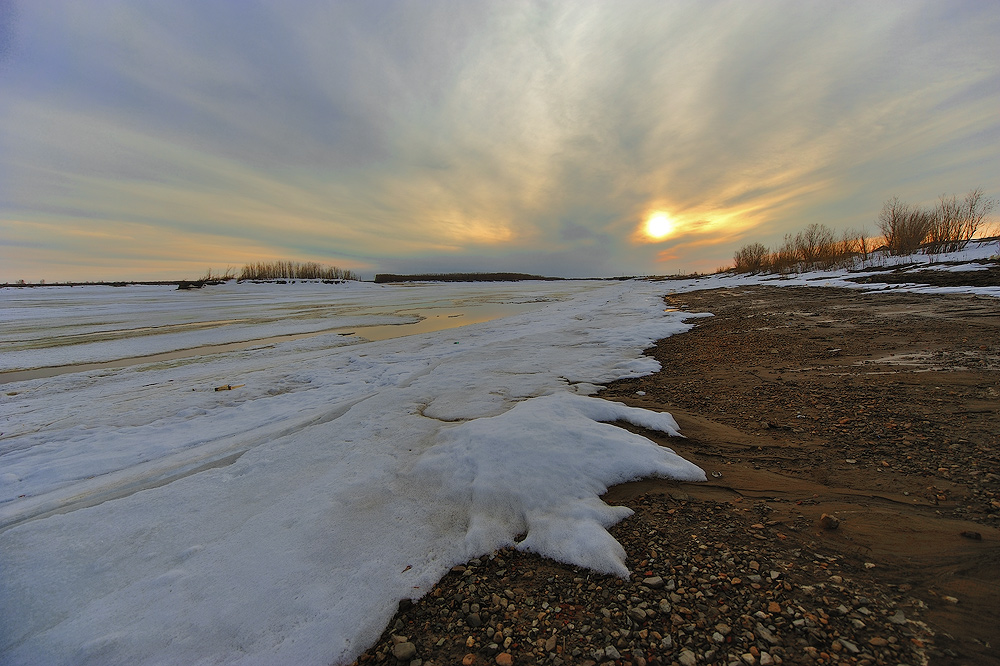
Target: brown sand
879 410
783 387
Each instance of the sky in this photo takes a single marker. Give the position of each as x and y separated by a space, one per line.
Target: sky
154 139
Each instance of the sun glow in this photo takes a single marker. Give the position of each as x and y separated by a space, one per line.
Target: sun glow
659 225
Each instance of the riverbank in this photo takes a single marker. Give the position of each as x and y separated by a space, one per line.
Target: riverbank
851 513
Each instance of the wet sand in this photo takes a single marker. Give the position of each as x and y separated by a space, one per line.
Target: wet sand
879 409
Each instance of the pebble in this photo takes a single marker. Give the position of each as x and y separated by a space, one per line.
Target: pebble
653 582
540 612
637 614
829 522
404 651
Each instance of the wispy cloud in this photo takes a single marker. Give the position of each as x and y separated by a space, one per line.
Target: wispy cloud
391 135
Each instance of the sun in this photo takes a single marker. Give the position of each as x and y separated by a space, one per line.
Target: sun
659 225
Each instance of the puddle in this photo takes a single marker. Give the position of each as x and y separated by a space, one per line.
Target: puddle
433 320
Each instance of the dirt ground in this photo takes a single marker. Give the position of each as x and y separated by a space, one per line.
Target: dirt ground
851 512
879 409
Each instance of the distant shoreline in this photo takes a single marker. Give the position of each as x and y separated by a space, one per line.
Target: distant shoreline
380 278
180 284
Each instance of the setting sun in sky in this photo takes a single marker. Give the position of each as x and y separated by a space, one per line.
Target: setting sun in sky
659 226
153 140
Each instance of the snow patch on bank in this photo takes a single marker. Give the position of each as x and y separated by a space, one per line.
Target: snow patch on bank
538 470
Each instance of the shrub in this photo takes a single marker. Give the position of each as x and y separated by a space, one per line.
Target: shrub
211 277
904 227
750 258
785 258
815 245
956 223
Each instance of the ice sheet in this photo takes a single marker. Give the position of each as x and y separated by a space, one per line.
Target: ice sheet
150 519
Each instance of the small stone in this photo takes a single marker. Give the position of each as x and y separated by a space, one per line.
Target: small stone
975 536
612 653
637 614
687 658
765 634
654 582
473 620
848 645
504 659
404 651
878 641
950 600
773 607
898 618
550 644
468 660
748 658
766 659
829 522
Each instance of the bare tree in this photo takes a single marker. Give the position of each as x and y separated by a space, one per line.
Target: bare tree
975 208
785 258
864 244
750 258
904 227
956 223
815 245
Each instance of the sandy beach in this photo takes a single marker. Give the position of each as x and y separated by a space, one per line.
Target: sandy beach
850 515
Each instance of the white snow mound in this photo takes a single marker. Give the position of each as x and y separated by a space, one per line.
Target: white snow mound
540 468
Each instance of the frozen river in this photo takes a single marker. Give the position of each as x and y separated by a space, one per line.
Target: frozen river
147 518
48 332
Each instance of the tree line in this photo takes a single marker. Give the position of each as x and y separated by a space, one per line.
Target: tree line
292 270
280 270
945 227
